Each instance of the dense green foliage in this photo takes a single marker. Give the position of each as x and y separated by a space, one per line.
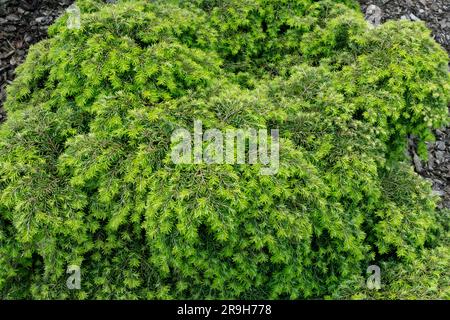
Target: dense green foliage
426 277
86 176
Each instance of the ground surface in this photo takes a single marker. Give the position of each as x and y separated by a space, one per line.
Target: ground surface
435 13
24 22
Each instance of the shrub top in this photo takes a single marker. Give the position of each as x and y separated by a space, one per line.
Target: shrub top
86 176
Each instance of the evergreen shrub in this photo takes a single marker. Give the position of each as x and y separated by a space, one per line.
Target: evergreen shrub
86 176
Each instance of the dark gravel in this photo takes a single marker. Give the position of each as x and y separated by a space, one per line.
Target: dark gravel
22 23
435 13
25 22
437 169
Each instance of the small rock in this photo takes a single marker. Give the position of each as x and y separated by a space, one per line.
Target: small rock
28 38
417 163
373 15
440 145
12 17
14 61
446 172
413 17
430 162
440 193
40 19
439 156
10 28
438 184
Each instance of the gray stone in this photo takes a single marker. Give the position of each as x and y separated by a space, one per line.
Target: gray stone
12 17
28 38
430 162
440 145
10 28
440 193
40 19
439 156
417 163
373 14
413 17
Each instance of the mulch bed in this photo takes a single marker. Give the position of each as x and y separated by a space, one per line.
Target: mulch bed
25 22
